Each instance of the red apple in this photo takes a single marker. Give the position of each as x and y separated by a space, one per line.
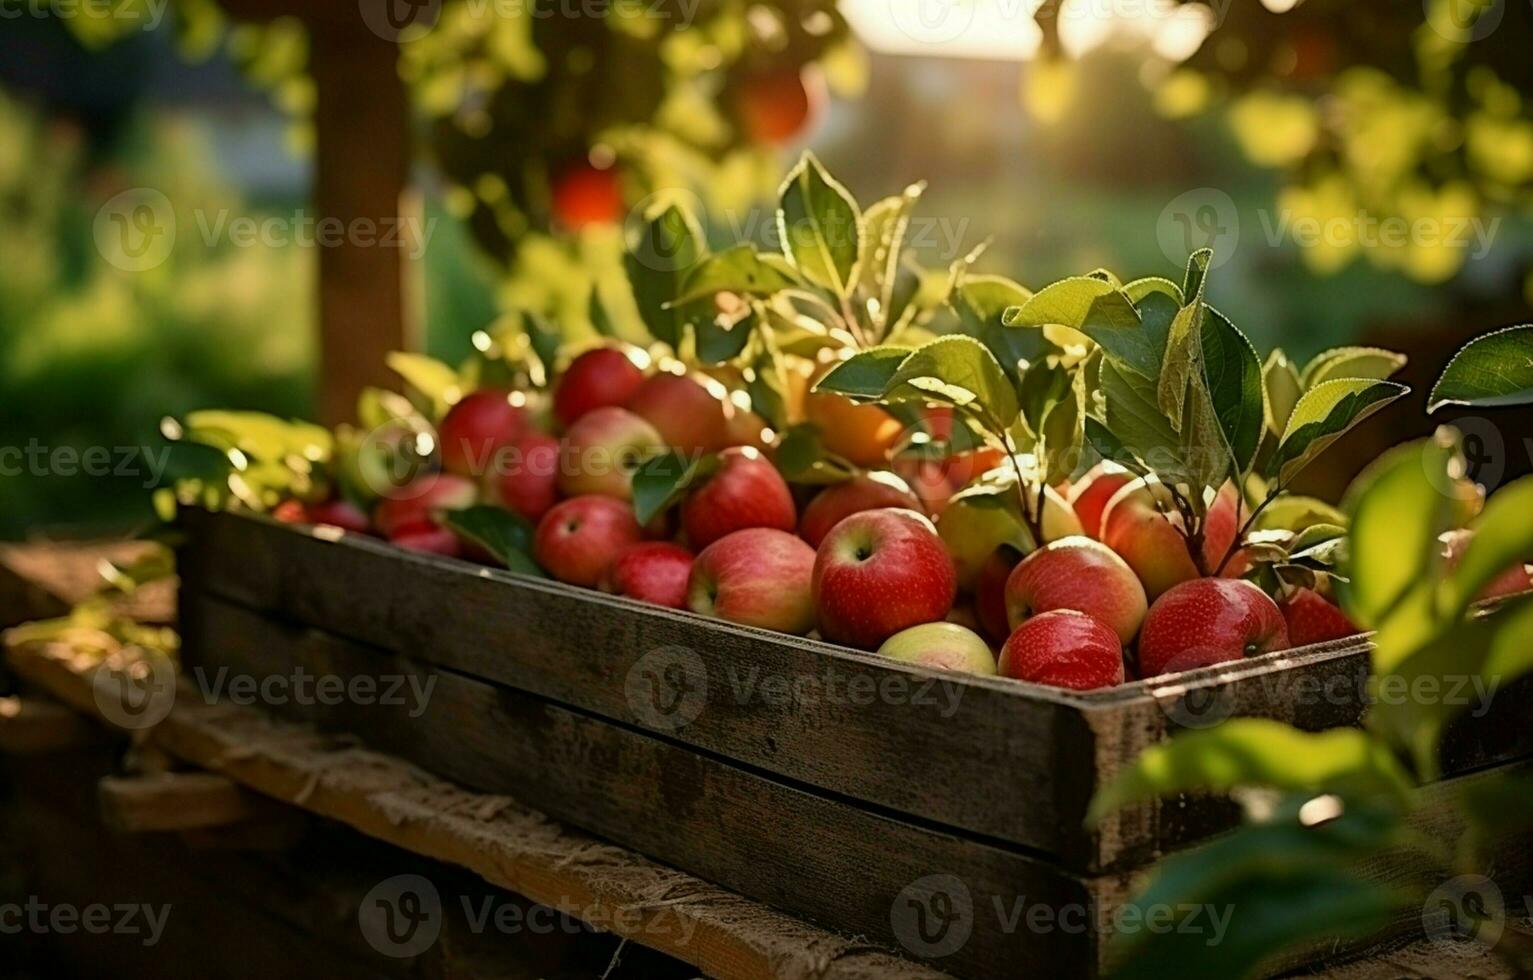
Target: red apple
654 571
841 500
290 511
689 412
1063 648
990 592
1081 574
1142 524
431 540
584 194
1090 495
602 450
526 476
946 646
413 506
1311 618
340 513
1209 621
579 538
879 572
745 491
1518 578
596 379
757 577
478 426
776 105
928 480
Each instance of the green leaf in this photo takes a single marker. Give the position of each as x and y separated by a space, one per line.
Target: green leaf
670 243
1493 371
596 311
1324 414
258 436
1065 303
885 225
962 372
1114 324
1352 362
1421 690
1284 387
662 481
1135 421
1195 279
1255 752
1259 891
436 382
1233 373
1137 290
503 534
1180 369
740 269
801 458
543 337
720 339
1397 514
981 302
1503 538
820 227
867 374
1291 512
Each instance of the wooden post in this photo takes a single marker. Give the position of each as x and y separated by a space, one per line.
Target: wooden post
361 167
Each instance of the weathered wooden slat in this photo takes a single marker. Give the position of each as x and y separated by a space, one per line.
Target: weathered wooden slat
173 801
35 726
834 862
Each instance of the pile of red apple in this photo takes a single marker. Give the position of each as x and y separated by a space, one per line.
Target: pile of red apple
1113 594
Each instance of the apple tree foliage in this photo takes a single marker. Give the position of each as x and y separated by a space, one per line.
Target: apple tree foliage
1323 807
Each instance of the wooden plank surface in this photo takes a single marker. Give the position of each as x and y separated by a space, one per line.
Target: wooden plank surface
498 838
834 862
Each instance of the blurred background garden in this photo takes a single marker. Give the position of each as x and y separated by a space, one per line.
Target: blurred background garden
1295 138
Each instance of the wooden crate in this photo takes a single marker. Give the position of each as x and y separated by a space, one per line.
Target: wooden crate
922 809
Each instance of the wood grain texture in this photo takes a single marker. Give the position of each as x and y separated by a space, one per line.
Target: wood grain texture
496 837
916 743
834 862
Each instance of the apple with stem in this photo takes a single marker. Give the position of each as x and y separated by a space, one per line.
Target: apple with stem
879 572
602 450
756 577
1208 621
579 538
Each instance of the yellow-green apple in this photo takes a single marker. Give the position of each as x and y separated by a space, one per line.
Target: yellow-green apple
990 592
1082 574
1063 648
841 500
944 645
414 506
600 377
878 572
1209 621
1312 618
339 513
688 411
745 491
478 426
757 577
1142 524
579 538
525 478
602 450
653 571
1090 495
974 527
1517 578
429 539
